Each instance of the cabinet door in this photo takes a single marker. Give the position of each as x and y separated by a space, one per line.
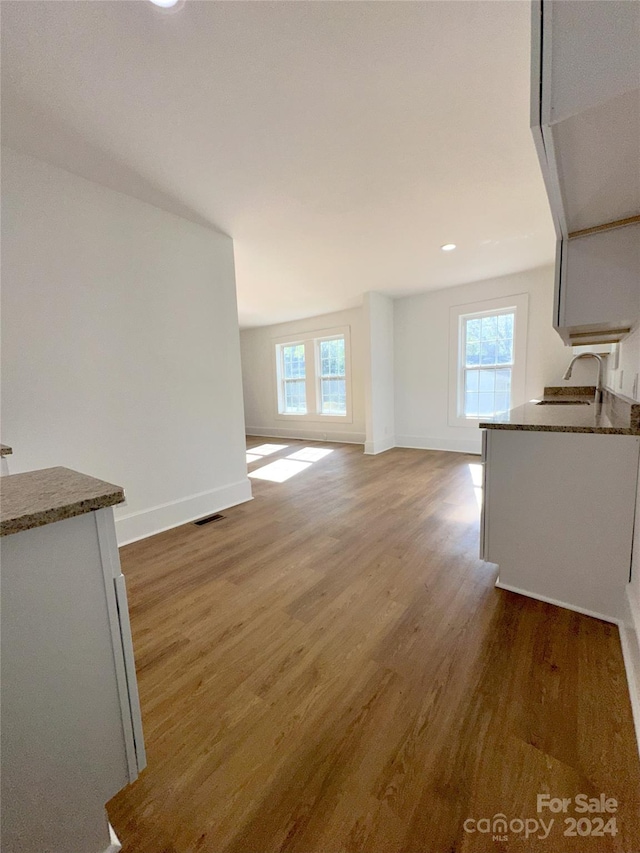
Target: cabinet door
483 513
560 514
585 80
590 55
133 705
118 610
63 754
600 284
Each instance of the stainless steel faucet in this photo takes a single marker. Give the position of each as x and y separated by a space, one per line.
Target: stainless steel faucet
569 369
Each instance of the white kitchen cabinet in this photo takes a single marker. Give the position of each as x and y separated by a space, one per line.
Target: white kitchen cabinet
585 108
71 725
591 54
585 118
598 287
558 515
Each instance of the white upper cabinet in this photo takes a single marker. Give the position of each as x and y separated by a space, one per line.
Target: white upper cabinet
585 117
598 162
600 285
591 54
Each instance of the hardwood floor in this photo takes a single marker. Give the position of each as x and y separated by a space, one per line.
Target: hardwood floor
330 668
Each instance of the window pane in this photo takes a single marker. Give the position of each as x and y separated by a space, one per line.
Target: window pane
494 392
332 357
295 396
505 325
486 403
471 380
471 404
489 328
488 352
333 397
502 402
503 379
504 351
487 380
473 330
293 361
472 355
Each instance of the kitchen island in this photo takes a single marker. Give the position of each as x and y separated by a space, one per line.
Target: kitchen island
71 725
560 481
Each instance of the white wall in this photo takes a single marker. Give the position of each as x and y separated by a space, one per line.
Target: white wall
379 373
120 346
422 356
260 391
625 377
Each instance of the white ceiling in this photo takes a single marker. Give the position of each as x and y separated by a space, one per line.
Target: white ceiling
338 143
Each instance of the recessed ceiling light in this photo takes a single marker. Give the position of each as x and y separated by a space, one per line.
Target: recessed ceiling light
165 4
448 247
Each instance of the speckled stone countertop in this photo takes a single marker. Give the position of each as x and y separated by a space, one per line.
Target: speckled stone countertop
5 450
41 497
616 415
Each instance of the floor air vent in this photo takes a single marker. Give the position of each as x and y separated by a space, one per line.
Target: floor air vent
208 519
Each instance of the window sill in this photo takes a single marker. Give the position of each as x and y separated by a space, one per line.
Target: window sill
463 421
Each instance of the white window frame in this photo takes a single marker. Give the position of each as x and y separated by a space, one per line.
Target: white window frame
518 304
311 341
281 379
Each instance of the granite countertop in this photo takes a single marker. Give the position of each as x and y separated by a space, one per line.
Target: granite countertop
42 497
616 415
5 450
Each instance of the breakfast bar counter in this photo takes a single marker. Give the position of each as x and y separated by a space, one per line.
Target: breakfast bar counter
570 412
36 498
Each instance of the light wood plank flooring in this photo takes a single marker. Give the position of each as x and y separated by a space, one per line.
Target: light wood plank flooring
330 668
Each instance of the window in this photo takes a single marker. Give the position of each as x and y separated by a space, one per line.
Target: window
333 381
487 362
487 367
312 375
293 371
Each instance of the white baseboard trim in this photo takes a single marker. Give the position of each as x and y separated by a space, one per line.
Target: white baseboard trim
633 615
114 846
456 445
380 445
156 519
307 434
614 619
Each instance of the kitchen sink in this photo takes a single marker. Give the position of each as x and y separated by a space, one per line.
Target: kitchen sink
564 403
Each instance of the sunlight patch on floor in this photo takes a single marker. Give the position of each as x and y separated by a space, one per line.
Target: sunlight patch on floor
267 449
251 457
280 470
310 454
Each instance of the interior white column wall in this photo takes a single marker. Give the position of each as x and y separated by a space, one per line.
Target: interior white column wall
380 378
